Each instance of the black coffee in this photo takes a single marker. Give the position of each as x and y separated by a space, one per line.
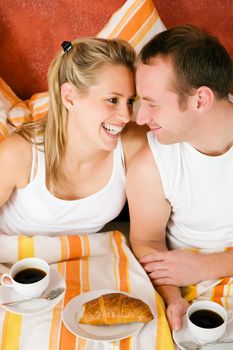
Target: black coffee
206 319
30 275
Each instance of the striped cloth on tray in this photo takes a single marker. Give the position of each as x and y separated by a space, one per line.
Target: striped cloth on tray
219 290
87 262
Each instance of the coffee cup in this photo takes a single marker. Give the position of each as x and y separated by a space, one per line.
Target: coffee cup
29 277
207 321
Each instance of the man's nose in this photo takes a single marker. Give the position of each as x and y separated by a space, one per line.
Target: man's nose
142 117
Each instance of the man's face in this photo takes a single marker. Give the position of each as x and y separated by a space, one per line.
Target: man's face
160 105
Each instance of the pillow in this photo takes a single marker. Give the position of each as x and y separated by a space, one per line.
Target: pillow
14 112
136 21
11 108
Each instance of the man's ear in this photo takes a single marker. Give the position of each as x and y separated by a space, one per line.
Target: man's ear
204 99
68 95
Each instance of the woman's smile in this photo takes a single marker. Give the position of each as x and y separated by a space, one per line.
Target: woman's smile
112 130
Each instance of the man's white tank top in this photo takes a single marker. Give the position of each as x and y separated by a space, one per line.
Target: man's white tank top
33 210
200 191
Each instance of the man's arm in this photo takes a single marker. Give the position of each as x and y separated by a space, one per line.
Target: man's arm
182 268
133 139
149 214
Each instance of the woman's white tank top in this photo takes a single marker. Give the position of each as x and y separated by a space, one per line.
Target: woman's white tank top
33 210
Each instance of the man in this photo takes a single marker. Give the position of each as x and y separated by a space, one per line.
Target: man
180 186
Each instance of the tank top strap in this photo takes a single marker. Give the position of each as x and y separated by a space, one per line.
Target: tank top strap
34 163
38 164
165 157
119 154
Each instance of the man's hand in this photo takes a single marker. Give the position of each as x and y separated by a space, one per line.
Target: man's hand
175 313
176 267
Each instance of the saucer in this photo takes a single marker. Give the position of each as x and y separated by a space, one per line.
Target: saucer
36 306
184 335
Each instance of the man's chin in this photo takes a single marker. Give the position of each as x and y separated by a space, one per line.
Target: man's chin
164 140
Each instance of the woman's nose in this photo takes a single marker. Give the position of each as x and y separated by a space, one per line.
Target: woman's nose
125 113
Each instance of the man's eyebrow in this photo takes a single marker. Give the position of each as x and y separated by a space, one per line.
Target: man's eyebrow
149 99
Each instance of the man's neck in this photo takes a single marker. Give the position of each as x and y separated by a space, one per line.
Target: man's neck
216 136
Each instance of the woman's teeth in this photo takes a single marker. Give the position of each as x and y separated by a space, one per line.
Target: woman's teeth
112 129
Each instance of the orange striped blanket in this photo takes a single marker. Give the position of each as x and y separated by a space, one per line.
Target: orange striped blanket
87 262
219 290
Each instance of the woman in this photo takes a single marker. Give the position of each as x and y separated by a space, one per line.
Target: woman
66 174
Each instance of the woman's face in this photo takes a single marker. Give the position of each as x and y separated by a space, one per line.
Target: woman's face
99 116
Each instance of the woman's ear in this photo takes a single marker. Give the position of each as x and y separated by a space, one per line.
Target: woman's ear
204 99
68 96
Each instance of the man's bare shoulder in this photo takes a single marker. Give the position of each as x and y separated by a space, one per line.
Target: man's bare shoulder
142 171
133 139
133 130
144 159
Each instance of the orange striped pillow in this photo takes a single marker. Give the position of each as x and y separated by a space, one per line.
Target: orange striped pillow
14 112
10 105
136 21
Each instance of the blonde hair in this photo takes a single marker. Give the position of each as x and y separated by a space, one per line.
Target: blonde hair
79 66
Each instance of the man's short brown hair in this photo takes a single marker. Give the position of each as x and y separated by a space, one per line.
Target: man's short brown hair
198 58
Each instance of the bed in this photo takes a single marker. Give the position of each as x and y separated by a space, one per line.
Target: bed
31 34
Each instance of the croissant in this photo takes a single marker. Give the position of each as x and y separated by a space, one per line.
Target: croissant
115 308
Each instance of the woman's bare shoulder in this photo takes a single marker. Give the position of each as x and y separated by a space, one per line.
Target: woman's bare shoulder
14 145
16 156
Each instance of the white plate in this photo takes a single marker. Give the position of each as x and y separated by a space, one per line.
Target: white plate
36 306
184 335
97 333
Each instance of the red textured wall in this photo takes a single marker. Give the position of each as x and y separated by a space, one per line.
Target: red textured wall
214 15
31 31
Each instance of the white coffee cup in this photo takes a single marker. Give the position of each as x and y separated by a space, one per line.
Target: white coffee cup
217 322
32 277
